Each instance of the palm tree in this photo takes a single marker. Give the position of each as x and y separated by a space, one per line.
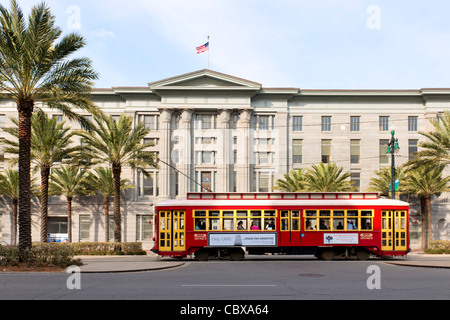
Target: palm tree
102 181
327 178
436 150
117 143
382 183
9 187
293 181
69 182
34 68
50 142
426 182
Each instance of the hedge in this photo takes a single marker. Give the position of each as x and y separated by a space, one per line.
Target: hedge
107 248
62 254
438 247
40 255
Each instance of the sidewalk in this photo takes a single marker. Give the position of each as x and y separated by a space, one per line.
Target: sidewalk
151 262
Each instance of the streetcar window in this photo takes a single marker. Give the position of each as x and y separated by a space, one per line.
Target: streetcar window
284 214
269 224
352 213
324 224
242 224
214 213
200 213
228 213
366 213
338 224
228 224
311 213
311 224
284 224
295 213
338 213
241 213
200 224
366 224
352 224
255 213
325 213
256 224
214 224
269 213
295 225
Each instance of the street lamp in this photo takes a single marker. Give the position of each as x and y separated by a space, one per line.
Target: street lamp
393 148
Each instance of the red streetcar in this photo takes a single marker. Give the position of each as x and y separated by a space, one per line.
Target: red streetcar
219 225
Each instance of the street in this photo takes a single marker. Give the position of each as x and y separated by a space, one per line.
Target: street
257 279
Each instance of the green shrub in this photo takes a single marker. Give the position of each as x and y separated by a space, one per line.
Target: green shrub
40 255
438 247
107 248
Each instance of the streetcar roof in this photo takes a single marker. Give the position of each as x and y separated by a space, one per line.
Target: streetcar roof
281 203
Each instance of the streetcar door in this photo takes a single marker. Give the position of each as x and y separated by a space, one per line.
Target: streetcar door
171 231
289 227
393 230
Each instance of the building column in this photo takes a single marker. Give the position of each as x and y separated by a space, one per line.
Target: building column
164 169
244 140
186 156
225 153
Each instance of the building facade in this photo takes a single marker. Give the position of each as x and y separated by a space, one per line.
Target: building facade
213 131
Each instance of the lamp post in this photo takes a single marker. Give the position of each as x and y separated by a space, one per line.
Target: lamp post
393 147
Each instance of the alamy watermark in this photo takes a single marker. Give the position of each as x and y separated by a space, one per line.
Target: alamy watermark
74 280
374 280
374 20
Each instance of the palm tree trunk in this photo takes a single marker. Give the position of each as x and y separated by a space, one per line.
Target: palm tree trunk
117 218
423 216
69 219
25 110
428 205
45 173
106 205
14 209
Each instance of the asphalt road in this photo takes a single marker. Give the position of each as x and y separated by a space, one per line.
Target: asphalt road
256 280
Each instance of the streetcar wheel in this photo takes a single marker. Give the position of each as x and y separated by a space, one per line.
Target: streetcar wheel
362 254
237 254
327 254
201 255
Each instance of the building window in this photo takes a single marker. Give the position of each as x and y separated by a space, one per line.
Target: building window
58 117
143 227
85 226
355 151
297 123
326 123
262 181
412 123
57 225
150 121
412 149
326 151
297 151
148 186
384 123
356 180
355 122
205 121
384 159
205 157
263 123
206 181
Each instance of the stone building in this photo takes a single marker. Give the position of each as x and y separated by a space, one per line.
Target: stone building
217 132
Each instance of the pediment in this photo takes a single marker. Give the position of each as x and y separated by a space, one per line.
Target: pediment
205 80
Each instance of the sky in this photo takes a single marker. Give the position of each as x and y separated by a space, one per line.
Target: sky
322 44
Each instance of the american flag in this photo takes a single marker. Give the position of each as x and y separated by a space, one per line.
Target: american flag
203 48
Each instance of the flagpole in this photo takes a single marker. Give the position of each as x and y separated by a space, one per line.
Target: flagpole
209 48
